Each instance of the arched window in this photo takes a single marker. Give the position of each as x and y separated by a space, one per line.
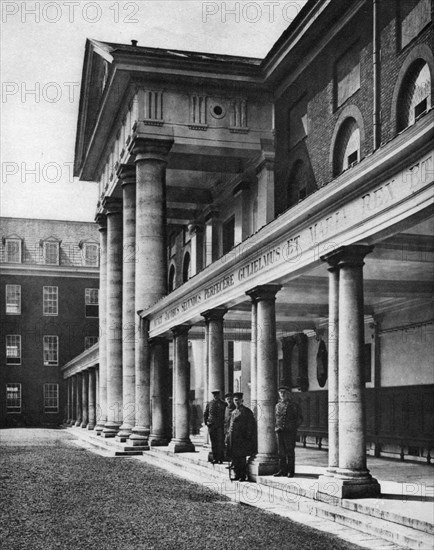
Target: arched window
172 278
298 183
347 147
415 94
186 268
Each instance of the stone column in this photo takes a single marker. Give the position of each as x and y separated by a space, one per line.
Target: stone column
265 461
254 357
159 394
197 262
128 176
216 359
151 262
78 410
73 400
85 399
352 478
92 399
97 404
102 344
113 208
181 385
68 400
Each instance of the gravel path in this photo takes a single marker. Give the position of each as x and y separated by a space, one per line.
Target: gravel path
55 495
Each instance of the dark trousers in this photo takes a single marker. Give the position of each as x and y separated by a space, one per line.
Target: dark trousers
286 451
239 465
217 443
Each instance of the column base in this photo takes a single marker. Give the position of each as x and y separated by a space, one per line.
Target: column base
84 425
77 423
110 429
139 437
181 446
156 440
262 465
91 426
124 433
99 428
349 484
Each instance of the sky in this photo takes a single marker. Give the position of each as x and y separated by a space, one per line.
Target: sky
42 51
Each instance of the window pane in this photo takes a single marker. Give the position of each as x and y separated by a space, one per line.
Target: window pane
51 398
91 255
92 296
13 349
13 397
90 341
50 300
13 251
51 350
51 253
13 299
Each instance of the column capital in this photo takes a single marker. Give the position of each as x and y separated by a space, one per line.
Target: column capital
180 330
352 255
151 148
101 220
215 314
112 205
264 292
126 173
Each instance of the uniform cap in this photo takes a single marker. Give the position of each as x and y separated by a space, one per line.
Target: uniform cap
215 391
281 388
229 394
238 395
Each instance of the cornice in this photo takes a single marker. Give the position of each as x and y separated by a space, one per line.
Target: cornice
49 271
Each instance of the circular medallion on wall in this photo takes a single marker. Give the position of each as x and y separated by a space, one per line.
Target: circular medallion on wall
217 110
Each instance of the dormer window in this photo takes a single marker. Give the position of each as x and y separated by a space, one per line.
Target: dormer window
13 249
90 253
51 251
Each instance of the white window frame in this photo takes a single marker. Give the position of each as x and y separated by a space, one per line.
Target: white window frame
7 256
51 340
86 248
11 409
90 341
13 299
13 341
51 398
89 300
50 300
45 251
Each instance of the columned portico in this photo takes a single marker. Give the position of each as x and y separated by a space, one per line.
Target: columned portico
85 399
114 317
352 478
102 371
181 442
92 399
128 176
265 461
78 402
159 393
151 263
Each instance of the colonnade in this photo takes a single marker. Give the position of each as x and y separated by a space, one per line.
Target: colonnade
126 396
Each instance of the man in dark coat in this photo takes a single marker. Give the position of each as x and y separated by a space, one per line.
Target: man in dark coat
241 437
230 406
214 418
288 419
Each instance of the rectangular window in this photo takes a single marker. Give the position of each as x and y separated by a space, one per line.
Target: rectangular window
352 159
414 16
347 75
51 253
13 251
420 108
50 300
91 301
51 398
13 398
13 349
228 234
91 256
13 299
90 341
51 350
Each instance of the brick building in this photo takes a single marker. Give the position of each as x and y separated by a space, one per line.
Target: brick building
49 313
263 222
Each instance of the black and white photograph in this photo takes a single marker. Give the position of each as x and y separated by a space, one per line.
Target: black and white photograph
217 275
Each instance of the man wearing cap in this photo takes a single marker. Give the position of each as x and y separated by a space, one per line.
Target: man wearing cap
288 419
241 437
230 406
214 418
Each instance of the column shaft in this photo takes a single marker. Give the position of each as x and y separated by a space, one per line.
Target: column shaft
85 399
102 345
114 318
254 358
216 374
78 411
129 315
73 400
69 399
333 370
159 394
92 399
181 442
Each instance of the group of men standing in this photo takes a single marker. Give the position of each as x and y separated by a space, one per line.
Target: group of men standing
233 434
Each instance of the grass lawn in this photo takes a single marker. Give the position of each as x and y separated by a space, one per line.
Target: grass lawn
55 495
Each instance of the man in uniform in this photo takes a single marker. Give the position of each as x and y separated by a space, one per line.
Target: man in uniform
230 406
214 418
288 419
241 437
